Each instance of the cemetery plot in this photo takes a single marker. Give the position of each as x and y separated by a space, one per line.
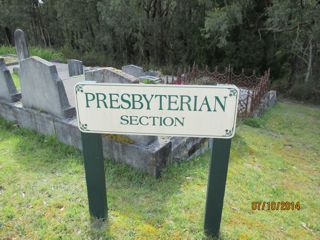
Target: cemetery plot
48 101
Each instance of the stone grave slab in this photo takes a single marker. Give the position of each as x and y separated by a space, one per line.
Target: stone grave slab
133 70
8 90
21 44
42 89
110 75
75 67
69 84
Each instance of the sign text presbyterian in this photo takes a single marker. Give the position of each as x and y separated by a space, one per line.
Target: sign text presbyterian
141 109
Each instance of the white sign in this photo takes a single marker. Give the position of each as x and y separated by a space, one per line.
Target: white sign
165 110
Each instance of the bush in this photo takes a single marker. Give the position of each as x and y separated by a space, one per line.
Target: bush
89 58
48 54
4 49
253 122
309 92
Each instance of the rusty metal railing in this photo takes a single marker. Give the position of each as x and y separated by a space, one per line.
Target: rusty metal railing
252 87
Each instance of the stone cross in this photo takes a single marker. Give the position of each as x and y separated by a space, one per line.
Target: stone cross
8 90
21 45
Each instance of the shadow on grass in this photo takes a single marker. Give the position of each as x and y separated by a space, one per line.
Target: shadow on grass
98 229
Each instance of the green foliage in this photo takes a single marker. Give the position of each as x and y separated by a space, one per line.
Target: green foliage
48 54
5 49
45 53
43 190
253 122
295 26
16 80
221 21
147 81
283 35
233 28
306 91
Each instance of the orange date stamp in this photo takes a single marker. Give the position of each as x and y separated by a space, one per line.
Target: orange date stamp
275 206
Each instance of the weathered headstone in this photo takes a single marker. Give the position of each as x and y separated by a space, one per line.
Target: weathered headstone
8 90
42 89
75 67
245 96
110 75
133 70
21 45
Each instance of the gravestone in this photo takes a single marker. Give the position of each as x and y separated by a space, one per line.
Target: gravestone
75 67
133 70
8 90
110 75
21 45
245 96
42 89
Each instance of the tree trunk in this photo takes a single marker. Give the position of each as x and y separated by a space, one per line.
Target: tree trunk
309 70
9 36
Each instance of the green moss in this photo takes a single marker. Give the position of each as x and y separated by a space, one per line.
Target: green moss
10 59
120 138
147 81
16 80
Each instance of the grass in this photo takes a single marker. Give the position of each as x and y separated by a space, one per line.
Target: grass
43 192
45 53
5 49
16 80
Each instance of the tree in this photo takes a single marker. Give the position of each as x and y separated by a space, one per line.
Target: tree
233 28
296 28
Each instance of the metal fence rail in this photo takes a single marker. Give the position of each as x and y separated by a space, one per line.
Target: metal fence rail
252 87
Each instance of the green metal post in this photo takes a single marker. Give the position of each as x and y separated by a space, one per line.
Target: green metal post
216 185
95 175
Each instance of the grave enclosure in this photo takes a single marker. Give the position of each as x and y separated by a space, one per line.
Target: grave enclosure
46 104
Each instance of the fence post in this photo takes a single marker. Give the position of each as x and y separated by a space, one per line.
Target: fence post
247 103
95 175
216 185
229 74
